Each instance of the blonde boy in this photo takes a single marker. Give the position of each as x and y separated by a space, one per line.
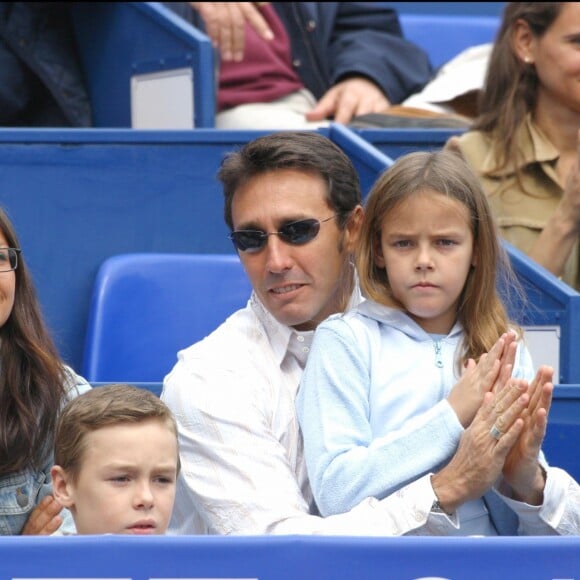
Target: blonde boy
116 460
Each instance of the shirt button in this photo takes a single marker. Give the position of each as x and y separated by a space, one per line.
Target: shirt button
305 349
296 63
311 26
300 338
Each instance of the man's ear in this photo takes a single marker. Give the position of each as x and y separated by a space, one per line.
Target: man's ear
62 488
353 227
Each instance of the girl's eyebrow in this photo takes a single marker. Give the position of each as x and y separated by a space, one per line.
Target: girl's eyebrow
446 230
399 233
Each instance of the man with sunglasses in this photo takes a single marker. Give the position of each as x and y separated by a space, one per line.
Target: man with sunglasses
293 204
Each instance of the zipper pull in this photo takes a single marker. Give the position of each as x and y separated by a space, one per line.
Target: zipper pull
437 347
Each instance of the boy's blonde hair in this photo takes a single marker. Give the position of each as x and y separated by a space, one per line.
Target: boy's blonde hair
480 311
114 404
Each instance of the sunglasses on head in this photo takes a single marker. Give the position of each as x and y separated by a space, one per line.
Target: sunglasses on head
295 233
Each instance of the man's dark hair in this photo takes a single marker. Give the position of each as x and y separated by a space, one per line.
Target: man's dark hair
302 150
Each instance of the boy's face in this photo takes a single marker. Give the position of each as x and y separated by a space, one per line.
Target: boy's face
126 483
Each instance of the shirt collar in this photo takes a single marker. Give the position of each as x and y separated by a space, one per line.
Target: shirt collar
277 334
284 338
534 146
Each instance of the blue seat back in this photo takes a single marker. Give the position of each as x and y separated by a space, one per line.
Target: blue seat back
395 143
146 307
444 36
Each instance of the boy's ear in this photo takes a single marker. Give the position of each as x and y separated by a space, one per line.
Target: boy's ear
61 486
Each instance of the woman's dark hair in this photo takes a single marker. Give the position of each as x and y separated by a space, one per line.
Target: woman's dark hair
32 375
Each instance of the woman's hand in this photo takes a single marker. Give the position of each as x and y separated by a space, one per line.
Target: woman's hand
570 203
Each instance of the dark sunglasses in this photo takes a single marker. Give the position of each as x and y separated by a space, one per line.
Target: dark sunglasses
295 233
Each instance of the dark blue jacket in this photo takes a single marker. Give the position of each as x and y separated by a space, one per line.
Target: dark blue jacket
41 81
334 40
331 41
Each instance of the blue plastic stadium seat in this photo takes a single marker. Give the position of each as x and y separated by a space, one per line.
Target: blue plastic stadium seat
146 307
444 36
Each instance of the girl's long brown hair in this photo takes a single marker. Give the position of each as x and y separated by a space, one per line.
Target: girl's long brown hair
32 376
481 311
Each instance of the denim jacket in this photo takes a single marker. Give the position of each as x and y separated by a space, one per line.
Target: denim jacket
21 492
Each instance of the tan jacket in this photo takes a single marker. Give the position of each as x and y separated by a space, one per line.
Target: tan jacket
521 215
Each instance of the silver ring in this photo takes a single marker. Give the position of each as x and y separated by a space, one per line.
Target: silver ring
495 432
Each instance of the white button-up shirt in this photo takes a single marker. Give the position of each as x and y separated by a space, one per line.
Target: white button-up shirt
243 470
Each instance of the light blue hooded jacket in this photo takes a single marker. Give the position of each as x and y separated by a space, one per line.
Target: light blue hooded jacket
372 404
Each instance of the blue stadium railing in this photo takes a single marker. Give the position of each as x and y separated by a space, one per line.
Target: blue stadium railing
395 142
291 558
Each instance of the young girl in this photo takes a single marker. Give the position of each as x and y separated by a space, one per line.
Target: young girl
390 387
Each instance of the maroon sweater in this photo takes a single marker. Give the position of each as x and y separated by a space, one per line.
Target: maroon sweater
265 74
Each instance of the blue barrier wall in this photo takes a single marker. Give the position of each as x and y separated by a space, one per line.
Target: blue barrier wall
291 558
548 302
397 142
79 196
117 40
